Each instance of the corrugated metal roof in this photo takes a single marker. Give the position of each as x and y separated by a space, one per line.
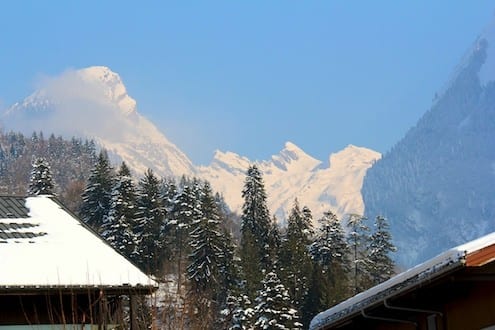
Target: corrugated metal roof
13 207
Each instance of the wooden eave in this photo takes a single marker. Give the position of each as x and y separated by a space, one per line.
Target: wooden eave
481 257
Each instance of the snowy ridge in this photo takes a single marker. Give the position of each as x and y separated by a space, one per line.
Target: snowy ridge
486 74
487 71
294 174
452 258
115 90
93 102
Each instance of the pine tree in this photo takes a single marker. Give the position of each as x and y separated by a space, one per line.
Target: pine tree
97 195
149 221
237 313
295 257
318 295
41 182
119 228
358 240
185 211
330 252
206 259
273 306
255 229
275 240
168 194
381 265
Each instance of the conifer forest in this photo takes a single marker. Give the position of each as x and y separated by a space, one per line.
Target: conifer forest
216 269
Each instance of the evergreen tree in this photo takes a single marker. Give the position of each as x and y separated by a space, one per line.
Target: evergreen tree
237 313
120 226
206 259
381 265
41 182
168 195
97 195
149 222
295 257
255 229
358 240
318 295
185 211
331 253
275 240
273 306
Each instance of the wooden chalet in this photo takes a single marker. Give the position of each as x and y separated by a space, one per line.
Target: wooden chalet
56 273
453 291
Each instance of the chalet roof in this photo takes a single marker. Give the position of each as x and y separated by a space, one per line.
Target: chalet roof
43 245
472 254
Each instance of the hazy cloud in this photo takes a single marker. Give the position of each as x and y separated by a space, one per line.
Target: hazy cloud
75 106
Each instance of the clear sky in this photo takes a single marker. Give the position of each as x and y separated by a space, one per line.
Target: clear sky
246 76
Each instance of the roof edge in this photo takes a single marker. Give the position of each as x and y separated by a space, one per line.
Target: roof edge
399 284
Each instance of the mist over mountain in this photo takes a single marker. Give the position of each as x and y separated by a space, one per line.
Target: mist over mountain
437 185
93 103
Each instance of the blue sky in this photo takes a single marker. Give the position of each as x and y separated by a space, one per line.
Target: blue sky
246 76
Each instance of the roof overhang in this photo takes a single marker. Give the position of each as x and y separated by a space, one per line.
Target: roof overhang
470 256
75 289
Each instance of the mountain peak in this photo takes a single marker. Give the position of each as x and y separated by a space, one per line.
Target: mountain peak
293 156
487 39
111 85
93 103
353 155
99 72
291 146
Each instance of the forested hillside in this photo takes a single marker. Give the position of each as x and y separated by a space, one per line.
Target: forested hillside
439 180
70 161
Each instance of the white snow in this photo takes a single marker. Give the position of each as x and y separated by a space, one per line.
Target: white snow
93 102
428 269
112 86
294 174
68 255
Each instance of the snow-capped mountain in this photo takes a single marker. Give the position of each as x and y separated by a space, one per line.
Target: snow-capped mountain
94 103
294 174
437 185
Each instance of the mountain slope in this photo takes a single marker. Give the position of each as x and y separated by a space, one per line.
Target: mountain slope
437 184
93 102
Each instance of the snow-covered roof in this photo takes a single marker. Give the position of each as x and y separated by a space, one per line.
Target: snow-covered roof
44 246
433 268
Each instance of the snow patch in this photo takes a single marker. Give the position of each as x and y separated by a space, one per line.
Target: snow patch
294 174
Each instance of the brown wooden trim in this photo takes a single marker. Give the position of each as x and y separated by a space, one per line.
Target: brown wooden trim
481 257
36 290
